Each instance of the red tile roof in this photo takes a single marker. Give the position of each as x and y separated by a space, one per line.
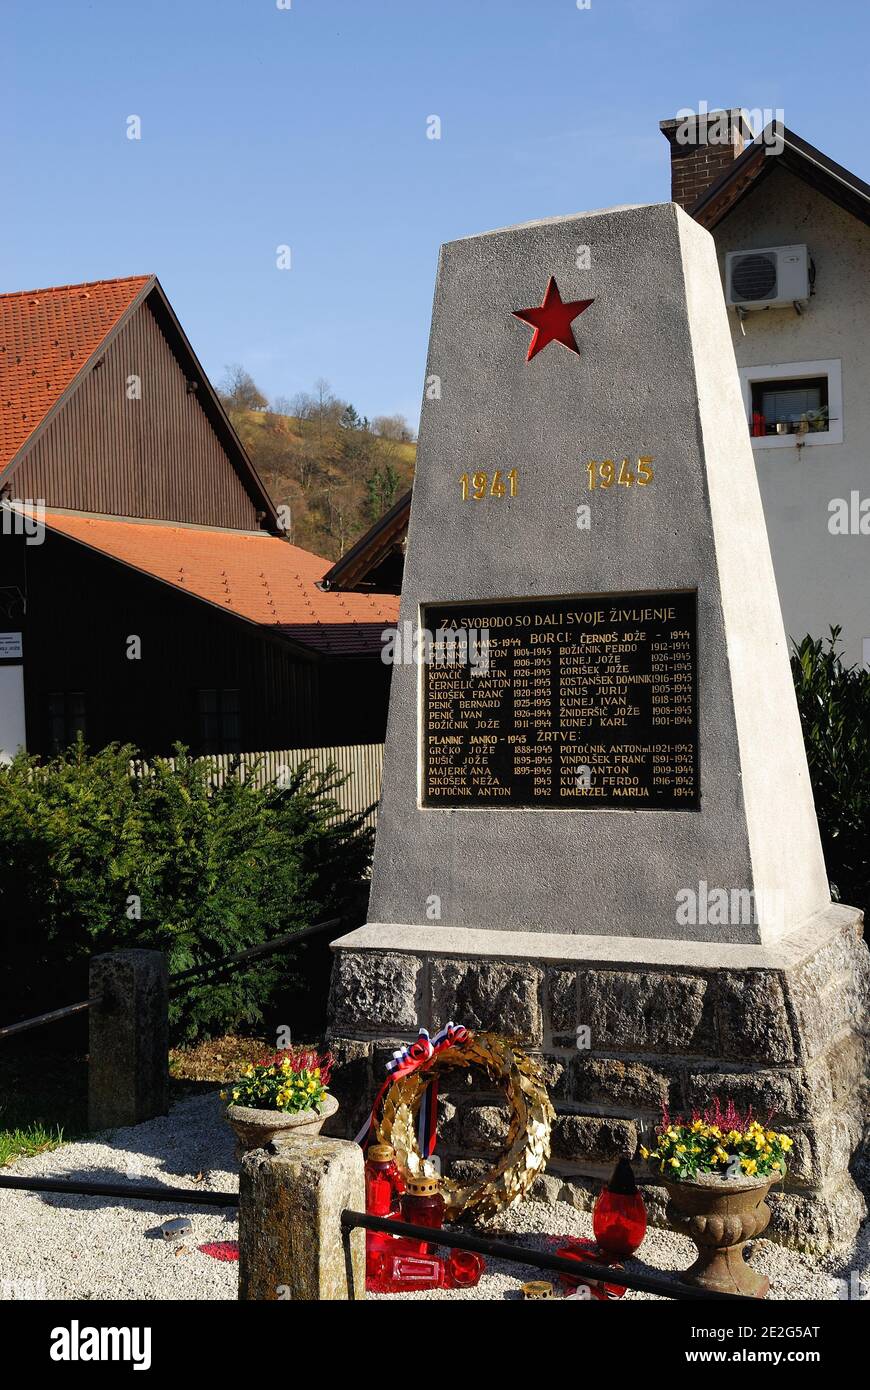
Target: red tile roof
258 577
46 337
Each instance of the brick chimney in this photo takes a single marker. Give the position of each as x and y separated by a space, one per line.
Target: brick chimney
703 145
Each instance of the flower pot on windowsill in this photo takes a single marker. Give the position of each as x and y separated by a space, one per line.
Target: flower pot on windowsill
257 1129
720 1215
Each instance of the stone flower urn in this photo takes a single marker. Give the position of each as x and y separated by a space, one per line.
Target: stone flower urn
721 1215
256 1129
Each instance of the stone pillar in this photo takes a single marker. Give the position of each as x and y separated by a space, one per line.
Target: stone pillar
291 1245
128 1039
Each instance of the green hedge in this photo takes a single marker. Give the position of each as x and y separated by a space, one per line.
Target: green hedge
834 704
93 858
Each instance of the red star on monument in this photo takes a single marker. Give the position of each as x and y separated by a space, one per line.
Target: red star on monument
552 320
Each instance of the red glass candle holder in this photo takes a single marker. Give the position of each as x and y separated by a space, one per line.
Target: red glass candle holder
397 1266
464 1269
384 1181
576 1248
619 1217
423 1205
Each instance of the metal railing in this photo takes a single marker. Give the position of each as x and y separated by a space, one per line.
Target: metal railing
181 977
53 1017
127 1191
581 1270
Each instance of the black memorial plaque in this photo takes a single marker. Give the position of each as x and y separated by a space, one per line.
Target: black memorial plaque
584 703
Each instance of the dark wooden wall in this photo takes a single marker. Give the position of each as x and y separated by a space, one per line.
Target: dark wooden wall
83 606
156 457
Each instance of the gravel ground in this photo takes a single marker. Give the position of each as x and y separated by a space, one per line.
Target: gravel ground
98 1248
52 1246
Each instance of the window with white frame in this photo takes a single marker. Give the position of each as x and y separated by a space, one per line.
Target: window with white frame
789 403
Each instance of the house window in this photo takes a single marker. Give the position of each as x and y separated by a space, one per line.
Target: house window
792 403
66 718
790 407
219 721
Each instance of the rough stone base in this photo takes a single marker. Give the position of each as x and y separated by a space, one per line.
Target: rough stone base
784 1030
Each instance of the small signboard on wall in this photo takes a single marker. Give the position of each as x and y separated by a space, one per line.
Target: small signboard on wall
12 726
10 646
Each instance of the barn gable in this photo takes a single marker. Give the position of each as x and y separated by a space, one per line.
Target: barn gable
138 430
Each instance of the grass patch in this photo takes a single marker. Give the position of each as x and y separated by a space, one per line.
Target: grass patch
24 1143
43 1099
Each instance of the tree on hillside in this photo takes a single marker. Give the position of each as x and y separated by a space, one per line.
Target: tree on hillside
239 391
393 427
328 407
381 488
303 408
354 445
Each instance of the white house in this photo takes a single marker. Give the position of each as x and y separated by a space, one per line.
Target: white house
793 234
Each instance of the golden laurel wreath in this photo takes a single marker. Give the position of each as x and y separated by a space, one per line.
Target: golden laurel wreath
528 1141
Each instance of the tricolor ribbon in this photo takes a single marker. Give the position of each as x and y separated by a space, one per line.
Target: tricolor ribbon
410 1058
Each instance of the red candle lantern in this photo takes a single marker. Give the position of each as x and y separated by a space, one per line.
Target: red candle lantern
619 1217
384 1187
384 1181
423 1204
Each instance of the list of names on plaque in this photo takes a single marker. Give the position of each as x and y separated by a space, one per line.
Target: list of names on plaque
588 703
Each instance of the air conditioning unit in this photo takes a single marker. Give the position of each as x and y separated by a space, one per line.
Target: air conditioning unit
773 277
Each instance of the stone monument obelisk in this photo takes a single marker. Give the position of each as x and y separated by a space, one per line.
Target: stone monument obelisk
596 830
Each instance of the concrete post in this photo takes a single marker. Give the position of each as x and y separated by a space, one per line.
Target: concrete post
129 1039
291 1245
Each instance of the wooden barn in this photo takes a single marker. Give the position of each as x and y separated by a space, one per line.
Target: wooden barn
146 591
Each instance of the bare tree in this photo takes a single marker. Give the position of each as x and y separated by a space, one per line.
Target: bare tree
392 427
304 409
239 391
324 397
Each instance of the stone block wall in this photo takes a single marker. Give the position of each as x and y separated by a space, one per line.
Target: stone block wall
790 1040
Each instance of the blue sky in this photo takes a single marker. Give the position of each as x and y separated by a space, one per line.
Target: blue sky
306 127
